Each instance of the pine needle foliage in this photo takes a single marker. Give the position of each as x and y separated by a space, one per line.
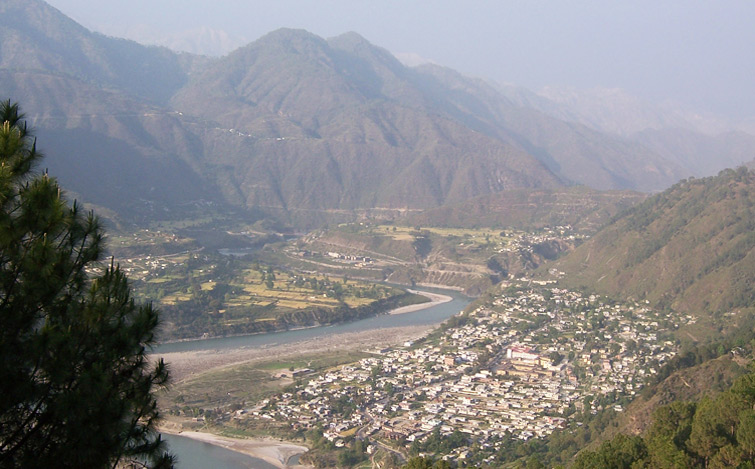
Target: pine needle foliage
76 384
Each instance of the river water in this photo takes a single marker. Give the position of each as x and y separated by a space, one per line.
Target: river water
194 454
430 316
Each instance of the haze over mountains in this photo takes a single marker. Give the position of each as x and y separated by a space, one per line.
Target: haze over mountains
306 129
201 41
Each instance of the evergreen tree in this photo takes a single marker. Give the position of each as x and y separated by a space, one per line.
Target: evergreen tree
666 439
76 386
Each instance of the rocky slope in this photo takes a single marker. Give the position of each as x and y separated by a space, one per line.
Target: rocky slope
292 126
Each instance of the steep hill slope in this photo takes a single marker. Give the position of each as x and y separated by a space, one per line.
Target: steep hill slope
337 124
318 143
94 103
583 208
691 247
292 126
110 149
294 85
572 150
35 37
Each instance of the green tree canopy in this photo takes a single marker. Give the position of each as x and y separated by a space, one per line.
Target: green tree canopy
425 463
718 431
622 452
76 385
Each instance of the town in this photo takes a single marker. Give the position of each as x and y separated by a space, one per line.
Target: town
518 366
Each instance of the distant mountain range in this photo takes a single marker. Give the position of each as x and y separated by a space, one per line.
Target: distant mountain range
201 41
614 111
305 130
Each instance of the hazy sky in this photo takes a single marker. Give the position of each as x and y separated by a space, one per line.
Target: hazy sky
694 52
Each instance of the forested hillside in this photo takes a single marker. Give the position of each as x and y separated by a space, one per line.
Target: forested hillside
717 431
691 248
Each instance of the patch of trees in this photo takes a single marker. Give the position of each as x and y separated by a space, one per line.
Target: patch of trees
685 202
323 453
560 447
717 431
418 462
548 249
422 244
455 322
436 443
700 353
352 455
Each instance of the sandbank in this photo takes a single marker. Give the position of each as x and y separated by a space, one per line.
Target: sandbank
275 452
186 364
435 299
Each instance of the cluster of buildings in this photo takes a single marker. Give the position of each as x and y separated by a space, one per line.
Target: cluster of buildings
525 240
521 366
143 267
349 257
336 256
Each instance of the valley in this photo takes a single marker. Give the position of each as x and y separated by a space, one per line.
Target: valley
378 265
326 276
532 365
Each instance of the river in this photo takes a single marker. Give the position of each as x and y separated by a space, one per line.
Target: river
430 316
195 454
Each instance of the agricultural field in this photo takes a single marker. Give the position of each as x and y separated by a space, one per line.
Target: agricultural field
202 292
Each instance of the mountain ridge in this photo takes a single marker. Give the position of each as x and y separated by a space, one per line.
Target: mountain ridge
291 126
36 36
